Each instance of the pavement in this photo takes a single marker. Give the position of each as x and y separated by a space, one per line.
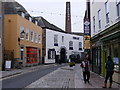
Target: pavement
63 77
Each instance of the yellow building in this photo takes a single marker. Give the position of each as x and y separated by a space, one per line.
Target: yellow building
24 38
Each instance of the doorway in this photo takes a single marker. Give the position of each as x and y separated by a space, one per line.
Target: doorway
63 55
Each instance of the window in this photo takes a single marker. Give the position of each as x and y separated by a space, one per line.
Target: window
32 36
51 54
62 38
38 38
36 22
99 19
55 40
22 53
22 32
94 24
35 37
80 45
30 19
118 8
70 45
107 12
27 34
22 14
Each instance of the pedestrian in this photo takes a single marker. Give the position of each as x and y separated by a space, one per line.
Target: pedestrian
86 69
109 72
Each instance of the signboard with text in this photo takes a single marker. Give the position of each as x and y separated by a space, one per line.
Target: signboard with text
86 27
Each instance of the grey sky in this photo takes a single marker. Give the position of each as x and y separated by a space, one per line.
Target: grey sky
54 11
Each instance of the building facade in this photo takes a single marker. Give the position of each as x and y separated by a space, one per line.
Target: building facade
22 36
58 45
105 33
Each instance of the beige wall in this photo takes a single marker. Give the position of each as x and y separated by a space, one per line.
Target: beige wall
12 30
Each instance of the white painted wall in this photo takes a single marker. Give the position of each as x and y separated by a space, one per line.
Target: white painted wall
67 37
95 6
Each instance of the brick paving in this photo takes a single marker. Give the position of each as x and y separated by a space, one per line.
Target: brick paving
68 77
63 77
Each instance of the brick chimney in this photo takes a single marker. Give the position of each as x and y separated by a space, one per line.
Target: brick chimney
68 18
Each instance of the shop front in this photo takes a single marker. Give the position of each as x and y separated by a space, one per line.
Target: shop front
111 47
32 55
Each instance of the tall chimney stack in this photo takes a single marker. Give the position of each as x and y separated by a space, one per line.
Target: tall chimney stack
68 18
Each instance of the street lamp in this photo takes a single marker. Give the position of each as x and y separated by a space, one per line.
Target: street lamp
22 34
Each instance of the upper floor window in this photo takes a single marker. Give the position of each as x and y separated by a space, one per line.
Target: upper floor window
99 19
62 38
55 40
27 34
71 45
36 22
23 14
94 24
30 19
32 36
80 45
22 32
118 7
35 37
107 12
39 38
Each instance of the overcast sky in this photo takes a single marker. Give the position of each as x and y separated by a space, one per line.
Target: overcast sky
54 11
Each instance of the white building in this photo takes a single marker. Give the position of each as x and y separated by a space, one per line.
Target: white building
105 35
58 45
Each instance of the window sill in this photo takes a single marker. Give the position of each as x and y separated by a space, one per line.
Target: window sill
107 25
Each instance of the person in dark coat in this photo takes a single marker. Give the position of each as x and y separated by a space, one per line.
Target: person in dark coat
86 69
109 72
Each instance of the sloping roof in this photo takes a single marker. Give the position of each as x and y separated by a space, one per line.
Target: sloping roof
45 24
12 7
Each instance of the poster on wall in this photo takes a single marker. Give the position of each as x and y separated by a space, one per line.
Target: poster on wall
116 60
8 64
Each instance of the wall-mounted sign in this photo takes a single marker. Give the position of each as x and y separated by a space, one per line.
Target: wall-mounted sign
86 27
86 42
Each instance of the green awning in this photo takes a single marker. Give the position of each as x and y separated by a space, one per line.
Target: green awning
111 36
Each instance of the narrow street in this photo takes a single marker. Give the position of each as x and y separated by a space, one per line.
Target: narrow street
59 76
23 80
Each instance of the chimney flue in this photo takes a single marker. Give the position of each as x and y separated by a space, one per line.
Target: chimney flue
68 18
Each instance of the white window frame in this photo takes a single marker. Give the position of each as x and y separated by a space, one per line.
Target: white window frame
21 30
27 33
30 19
32 36
118 7
94 24
23 14
36 22
55 40
99 19
107 12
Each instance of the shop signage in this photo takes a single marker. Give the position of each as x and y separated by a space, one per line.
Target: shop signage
8 64
86 27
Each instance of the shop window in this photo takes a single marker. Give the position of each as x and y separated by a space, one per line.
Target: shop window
51 54
71 45
32 55
115 57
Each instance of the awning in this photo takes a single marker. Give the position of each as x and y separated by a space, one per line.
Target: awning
111 36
